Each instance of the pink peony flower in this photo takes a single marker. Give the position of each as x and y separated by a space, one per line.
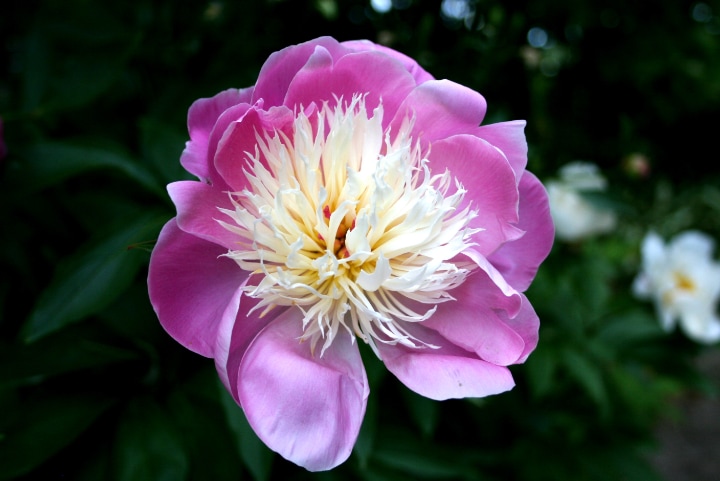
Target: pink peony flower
349 197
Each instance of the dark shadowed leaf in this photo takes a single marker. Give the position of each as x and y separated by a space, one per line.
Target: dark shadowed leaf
70 350
91 278
49 163
588 375
161 147
366 439
256 456
42 427
424 412
148 447
200 418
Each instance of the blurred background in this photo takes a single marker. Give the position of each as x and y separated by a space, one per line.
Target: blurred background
93 104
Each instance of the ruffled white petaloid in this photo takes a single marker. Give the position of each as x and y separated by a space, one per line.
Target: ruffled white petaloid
345 221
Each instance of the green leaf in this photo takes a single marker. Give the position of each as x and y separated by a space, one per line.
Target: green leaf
49 163
588 375
402 451
90 279
256 456
161 147
627 328
209 444
71 350
541 368
424 411
74 55
366 438
43 427
148 447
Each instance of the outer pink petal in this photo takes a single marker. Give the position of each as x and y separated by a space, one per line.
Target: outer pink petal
527 324
441 108
445 373
510 138
202 117
306 407
190 287
491 285
239 140
519 260
197 206
234 334
471 323
372 73
282 66
418 73
490 183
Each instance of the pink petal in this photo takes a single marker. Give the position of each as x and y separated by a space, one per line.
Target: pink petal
519 260
202 117
441 108
509 137
234 334
444 373
471 323
239 140
418 73
372 73
197 206
491 285
282 66
527 324
307 408
490 183
190 287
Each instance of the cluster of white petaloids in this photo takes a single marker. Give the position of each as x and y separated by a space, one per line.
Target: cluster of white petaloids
345 220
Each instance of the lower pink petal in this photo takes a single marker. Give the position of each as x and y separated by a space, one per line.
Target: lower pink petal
527 324
471 323
235 333
307 407
445 373
190 287
519 260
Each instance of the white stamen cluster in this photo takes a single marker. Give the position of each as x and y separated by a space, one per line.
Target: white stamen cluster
347 222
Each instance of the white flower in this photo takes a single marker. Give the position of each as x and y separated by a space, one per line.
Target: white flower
684 283
574 216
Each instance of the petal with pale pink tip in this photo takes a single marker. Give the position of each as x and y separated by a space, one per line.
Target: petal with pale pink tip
447 372
306 406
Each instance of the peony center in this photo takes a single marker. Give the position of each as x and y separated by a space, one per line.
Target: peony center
344 221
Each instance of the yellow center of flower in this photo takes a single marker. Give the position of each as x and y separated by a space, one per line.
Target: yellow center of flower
346 222
683 282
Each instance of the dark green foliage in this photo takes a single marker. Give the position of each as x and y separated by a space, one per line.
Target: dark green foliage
94 96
